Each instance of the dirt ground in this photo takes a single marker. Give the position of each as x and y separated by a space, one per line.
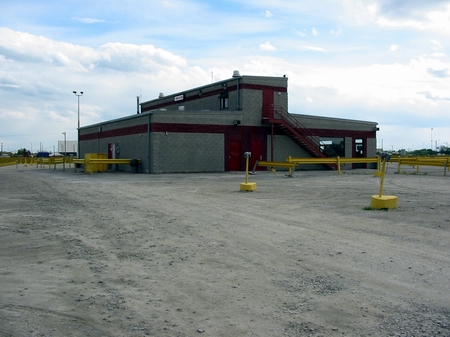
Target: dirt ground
119 254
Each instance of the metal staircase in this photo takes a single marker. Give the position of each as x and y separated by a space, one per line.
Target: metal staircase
291 127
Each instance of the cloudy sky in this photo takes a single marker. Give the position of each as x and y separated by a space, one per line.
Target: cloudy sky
386 61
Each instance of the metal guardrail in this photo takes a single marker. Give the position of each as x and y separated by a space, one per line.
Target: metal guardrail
338 161
42 161
273 164
442 161
292 163
91 165
8 162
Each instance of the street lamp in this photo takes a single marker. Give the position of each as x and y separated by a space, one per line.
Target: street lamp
65 151
78 95
431 138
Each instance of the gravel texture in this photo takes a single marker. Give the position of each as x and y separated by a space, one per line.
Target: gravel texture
116 254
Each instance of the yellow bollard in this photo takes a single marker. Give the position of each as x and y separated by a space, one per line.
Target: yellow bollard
377 173
381 201
247 186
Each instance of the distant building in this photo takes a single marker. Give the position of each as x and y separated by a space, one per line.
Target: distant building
69 148
208 129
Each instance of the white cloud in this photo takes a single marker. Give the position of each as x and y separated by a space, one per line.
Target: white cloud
155 51
267 46
88 20
394 47
313 48
437 45
336 32
39 75
421 15
299 33
126 57
384 86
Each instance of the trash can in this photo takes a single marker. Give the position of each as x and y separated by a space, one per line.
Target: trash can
134 163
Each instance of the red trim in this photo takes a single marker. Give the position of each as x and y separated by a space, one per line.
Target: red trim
175 128
211 128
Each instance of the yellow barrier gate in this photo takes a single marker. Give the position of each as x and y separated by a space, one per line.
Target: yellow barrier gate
292 163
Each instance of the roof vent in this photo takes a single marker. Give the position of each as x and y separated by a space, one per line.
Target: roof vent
161 95
236 73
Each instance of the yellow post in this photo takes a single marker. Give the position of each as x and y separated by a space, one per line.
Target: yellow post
339 164
383 171
246 170
378 171
381 201
247 186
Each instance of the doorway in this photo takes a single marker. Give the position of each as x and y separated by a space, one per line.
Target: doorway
234 156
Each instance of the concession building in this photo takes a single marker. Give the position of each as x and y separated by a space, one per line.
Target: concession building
209 128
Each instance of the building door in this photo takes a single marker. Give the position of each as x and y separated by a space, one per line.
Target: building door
359 152
234 156
112 154
256 150
268 97
110 151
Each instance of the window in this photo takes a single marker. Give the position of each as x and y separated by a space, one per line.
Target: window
223 100
359 147
332 147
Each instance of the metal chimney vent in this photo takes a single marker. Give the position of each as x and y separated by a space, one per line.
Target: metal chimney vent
236 73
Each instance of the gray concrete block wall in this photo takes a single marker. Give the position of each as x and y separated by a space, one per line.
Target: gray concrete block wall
250 100
197 117
371 151
281 99
88 147
266 80
252 103
124 122
318 122
131 147
187 152
348 148
200 98
285 147
371 147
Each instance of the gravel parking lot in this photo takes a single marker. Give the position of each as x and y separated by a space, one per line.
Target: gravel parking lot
117 254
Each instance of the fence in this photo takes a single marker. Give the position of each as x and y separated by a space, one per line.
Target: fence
439 161
292 163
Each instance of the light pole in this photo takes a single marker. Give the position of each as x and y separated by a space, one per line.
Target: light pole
432 139
65 151
78 95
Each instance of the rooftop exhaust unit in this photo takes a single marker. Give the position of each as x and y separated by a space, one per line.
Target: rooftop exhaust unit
236 73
